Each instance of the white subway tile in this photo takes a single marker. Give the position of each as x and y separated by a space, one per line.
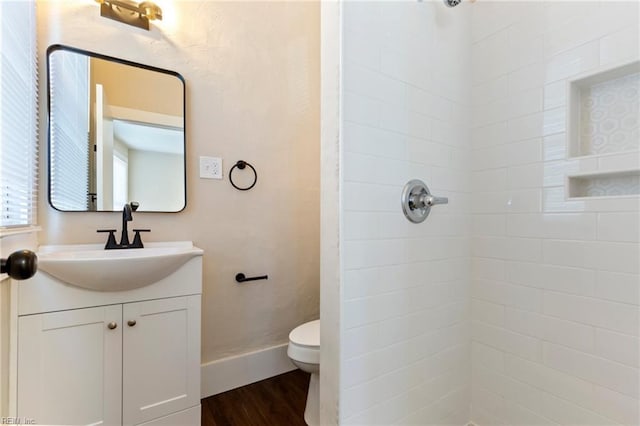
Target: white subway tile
419 125
513 343
554 121
507 248
567 413
393 118
489 269
497 292
367 82
557 278
369 253
492 112
526 176
525 103
600 313
524 152
620 46
609 374
616 406
528 77
618 347
371 197
573 34
369 140
489 225
516 414
572 62
625 161
360 47
487 356
372 169
614 257
361 109
550 380
490 202
550 329
618 14
513 391
524 201
491 135
490 57
565 253
527 127
360 225
490 180
618 287
490 91
570 226
555 94
490 18
359 15
490 158
524 51
554 201
487 312
619 227
488 401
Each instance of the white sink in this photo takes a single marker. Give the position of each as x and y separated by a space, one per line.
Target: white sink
92 267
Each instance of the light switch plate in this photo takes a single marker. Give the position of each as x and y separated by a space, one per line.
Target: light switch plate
210 168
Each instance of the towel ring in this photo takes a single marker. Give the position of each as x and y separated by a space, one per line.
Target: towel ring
241 165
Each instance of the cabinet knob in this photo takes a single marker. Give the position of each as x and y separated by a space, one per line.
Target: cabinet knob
131 323
112 325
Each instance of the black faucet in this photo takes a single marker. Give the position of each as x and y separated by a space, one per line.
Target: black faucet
127 216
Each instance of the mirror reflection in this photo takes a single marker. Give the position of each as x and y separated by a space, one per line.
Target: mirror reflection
116 134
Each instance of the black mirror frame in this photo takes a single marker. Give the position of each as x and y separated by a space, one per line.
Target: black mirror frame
56 47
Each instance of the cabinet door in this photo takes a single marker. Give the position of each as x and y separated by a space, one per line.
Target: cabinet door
69 366
161 358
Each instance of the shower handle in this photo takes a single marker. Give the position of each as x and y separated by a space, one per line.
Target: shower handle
417 201
431 200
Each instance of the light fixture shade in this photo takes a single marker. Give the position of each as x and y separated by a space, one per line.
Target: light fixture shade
129 12
151 10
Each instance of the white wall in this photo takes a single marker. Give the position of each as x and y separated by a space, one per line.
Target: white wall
405 287
555 282
252 82
154 175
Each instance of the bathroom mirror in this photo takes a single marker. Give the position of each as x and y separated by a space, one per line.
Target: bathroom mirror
116 133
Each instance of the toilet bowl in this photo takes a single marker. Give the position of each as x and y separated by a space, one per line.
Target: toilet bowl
304 352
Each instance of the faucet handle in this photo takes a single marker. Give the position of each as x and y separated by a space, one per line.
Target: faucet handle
137 240
111 239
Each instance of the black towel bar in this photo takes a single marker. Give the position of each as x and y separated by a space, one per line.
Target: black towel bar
241 278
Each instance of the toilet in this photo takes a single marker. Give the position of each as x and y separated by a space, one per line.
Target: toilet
304 351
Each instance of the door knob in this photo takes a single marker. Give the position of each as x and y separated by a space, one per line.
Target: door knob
417 201
20 265
131 323
112 325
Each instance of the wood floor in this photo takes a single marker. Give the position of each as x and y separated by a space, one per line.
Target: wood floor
277 401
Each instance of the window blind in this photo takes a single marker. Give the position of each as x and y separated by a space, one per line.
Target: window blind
18 113
69 103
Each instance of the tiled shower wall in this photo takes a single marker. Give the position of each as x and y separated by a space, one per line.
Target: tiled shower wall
555 282
405 298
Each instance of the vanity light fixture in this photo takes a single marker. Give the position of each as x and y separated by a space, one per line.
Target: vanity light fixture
130 12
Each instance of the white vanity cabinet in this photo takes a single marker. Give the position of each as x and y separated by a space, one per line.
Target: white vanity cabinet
70 366
160 358
112 358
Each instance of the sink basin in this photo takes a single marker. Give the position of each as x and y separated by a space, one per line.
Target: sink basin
90 266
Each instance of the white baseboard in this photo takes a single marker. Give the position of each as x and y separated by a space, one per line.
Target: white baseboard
240 370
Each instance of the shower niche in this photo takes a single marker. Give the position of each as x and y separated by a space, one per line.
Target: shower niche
603 129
